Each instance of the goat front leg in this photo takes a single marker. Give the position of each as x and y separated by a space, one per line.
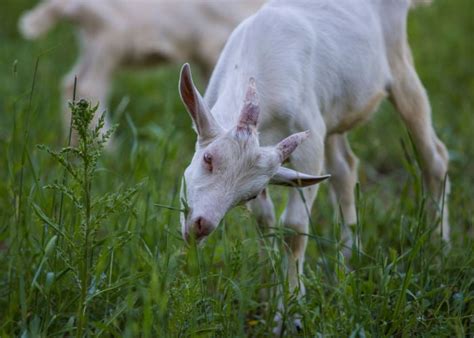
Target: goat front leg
308 158
264 212
93 71
342 164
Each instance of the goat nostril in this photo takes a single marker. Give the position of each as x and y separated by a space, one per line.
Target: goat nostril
199 225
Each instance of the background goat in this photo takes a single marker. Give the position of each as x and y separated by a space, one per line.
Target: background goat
116 33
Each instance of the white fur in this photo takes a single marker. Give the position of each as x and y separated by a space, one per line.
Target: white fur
117 33
322 66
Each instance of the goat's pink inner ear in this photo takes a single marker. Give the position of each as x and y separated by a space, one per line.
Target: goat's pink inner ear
205 124
192 100
251 109
187 92
289 144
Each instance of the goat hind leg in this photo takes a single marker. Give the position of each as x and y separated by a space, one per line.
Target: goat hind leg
411 101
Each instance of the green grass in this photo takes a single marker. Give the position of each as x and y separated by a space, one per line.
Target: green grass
139 279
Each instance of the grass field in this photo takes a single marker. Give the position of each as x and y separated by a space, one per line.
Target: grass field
105 258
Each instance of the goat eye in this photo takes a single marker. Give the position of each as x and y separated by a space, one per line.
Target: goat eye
207 158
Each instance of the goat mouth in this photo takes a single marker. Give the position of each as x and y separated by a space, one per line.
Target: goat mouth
191 240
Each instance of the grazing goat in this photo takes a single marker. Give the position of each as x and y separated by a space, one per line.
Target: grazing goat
116 33
312 69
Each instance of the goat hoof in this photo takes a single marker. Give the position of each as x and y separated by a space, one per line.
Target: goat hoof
298 325
277 329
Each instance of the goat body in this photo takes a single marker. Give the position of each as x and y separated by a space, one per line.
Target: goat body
321 66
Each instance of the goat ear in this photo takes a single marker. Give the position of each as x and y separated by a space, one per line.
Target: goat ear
249 115
292 178
206 126
289 144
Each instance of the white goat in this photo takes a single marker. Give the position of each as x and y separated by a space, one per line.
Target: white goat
116 33
316 65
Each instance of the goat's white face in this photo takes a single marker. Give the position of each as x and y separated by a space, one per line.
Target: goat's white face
229 167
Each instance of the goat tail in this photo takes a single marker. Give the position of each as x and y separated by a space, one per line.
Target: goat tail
415 3
39 20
